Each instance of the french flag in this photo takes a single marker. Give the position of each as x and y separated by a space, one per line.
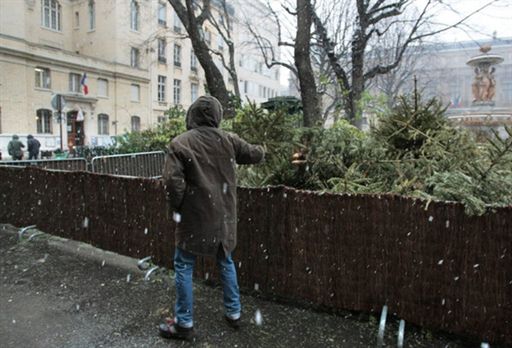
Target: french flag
83 82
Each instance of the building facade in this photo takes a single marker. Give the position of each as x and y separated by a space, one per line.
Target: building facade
132 56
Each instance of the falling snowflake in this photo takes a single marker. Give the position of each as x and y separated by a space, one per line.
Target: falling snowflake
258 318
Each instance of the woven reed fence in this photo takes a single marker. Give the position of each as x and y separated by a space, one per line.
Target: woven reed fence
435 267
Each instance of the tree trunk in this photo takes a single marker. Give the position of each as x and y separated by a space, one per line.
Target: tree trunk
192 24
232 70
353 107
308 92
214 78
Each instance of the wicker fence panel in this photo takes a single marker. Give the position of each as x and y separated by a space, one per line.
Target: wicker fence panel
434 267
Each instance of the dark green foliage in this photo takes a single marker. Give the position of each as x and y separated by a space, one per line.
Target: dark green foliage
154 139
276 131
410 125
412 150
93 151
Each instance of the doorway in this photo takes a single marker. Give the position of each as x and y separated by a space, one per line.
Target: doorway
75 129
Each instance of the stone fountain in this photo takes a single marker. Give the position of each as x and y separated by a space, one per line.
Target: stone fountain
483 114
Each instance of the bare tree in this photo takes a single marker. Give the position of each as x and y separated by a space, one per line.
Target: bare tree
193 18
374 20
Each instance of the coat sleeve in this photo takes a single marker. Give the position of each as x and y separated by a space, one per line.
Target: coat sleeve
174 178
246 153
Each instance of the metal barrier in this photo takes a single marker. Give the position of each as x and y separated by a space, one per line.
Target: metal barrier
71 164
141 164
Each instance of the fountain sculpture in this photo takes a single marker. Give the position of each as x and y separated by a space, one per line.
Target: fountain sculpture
483 115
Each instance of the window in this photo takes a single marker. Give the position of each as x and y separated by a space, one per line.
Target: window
177 91
220 42
177 55
44 121
161 88
194 90
246 87
43 78
177 23
134 15
77 20
135 93
134 57
51 14
162 14
160 119
135 123
161 51
74 82
193 61
207 37
102 88
507 90
103 124
92 15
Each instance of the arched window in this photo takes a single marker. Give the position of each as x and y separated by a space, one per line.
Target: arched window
134 15
51 14
92 14
44 121
135 123
103 124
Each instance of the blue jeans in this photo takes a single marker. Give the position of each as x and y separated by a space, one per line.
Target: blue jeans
184 268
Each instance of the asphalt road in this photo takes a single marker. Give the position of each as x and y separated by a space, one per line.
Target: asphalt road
61 293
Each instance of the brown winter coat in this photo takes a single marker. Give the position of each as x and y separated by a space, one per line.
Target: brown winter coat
199 177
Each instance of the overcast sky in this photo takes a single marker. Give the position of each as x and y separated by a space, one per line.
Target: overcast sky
495 18
480 27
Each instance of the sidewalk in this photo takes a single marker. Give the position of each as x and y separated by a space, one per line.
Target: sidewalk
61 293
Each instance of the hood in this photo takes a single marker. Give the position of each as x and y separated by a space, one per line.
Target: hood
206 111
15 137
30 136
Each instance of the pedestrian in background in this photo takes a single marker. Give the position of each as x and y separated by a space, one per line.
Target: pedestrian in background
33 147
15 148
200 181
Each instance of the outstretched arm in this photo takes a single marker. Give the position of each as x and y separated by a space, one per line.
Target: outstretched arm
246 153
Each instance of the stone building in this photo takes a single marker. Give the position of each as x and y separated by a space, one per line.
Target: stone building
132 55
444 72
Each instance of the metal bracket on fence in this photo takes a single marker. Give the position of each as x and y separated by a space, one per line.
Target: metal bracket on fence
149 272
23 230
33 235
144 263
401 333
382 326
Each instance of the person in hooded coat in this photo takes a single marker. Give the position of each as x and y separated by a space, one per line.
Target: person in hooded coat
200 182
15 148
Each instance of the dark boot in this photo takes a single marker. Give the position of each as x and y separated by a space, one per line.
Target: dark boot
171 329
